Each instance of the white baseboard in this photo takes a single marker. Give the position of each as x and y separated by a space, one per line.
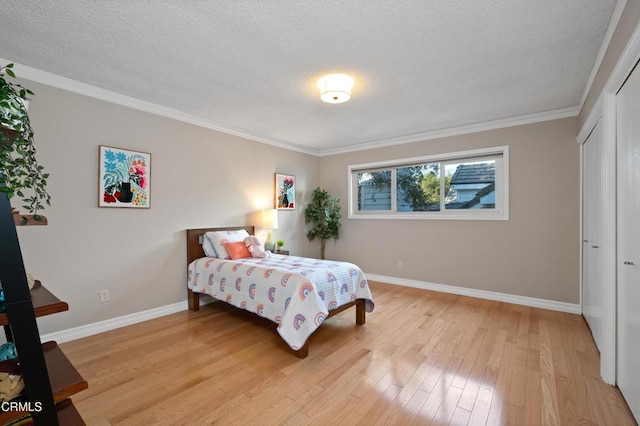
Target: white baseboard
533 302
111 324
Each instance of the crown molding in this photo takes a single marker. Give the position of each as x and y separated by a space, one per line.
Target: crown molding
590 123
626 63
459 130
53 80
613 24
64 83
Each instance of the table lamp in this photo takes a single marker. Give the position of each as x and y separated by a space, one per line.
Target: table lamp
269 221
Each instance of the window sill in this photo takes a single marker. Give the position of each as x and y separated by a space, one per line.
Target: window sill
434 216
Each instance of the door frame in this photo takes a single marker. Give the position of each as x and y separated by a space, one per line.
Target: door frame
605 110
601 113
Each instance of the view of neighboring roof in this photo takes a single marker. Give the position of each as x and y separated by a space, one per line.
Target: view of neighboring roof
474 173
476 200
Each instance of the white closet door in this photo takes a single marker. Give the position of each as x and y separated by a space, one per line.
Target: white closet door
592 282
628 138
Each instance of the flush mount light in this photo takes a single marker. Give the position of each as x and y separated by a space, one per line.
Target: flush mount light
335 88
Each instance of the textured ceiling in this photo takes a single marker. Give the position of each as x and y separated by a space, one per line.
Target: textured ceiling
251 66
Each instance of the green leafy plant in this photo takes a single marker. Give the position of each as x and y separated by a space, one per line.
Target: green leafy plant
323 213
280 243
19 170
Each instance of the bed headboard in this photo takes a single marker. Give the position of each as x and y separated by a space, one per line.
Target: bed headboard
194 245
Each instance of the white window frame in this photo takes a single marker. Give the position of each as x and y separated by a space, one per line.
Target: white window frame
501 212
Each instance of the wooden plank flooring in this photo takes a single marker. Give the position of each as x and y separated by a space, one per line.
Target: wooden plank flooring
422 358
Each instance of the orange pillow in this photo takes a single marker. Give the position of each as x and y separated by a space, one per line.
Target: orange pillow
237 250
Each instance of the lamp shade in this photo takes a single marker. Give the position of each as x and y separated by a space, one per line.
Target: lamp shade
269 219
335 88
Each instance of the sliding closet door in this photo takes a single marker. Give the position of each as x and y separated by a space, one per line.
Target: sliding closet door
592 279
628 139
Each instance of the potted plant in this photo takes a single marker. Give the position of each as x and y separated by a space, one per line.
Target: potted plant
279 245
323 213
20 173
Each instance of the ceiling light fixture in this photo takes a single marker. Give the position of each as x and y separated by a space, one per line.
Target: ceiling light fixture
335 88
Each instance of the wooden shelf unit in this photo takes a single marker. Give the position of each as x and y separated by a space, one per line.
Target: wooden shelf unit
49 377
65 410
63 376
65 381
29 220
68 415
44 303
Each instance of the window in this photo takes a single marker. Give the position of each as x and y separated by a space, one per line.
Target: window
459 185
374 190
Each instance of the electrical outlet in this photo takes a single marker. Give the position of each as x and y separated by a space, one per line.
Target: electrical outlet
400 264
104 296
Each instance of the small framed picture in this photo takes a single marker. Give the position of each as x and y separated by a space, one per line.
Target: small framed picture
124 178
285 192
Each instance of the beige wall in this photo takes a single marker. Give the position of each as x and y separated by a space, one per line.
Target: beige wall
535 253
205 178
627 25
199 178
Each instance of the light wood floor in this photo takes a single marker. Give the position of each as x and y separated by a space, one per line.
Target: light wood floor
422 358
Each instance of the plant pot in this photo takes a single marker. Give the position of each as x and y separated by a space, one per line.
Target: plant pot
126 195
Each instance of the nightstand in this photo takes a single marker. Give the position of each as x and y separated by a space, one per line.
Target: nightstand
283 252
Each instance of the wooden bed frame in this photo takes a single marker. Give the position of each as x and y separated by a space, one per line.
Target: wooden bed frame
194 251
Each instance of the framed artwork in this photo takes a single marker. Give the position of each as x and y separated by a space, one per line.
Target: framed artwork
285 192
124 179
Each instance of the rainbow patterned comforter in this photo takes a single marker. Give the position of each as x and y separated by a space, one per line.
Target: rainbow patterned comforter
294 292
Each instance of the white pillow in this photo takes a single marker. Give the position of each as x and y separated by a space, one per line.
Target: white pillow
217 239
207 247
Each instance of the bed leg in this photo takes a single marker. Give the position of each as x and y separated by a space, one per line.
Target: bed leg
303 352
193 300
360 312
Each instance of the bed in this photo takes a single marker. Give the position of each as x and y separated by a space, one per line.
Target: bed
296 293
